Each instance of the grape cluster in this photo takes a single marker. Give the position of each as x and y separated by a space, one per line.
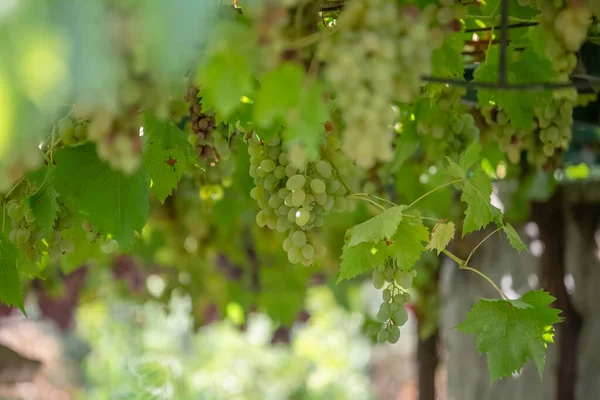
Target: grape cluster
25 232
362 69
448 119
72 132
565 24
117 139
294 198
392 313
549 134
202 125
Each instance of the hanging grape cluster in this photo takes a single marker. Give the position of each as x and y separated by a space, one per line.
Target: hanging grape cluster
392 312
294 198
361 70
72 132
202 125
447 118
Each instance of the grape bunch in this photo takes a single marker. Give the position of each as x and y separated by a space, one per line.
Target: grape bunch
24 233
447 118
362 70
202 125
294 198
392 313
117 138
549 134
566 25
72 132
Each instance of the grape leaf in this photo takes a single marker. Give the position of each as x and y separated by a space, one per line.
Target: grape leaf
362 258
113 203
514 239
167 155
447 59
511 332
441 235
43 202
476 191
226 75
279 92
376 229
407 244
480 212
11 290
470 156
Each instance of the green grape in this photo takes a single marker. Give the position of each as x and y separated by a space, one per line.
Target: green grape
287 244
324 169
302 217
378 279
298 197
404 279
267 165
29 217
393 333
384 312
23 235
389 273
261 219
308 251
317 186
299 239
67 246
382 336
387 295
294 255
400 316
393 307
296 182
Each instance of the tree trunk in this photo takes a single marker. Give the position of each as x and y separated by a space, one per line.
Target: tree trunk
427 357
550 218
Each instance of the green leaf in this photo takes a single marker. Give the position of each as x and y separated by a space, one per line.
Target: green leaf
279 92
167 155
527 67
477 193
305 122
441 235
407 244
513 238
376 229
447 59
43 202
362 258
112 202
11 290
227 73
470 156
511 332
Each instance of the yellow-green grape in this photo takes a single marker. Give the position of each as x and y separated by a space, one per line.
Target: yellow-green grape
299 239
23 235
389 273
378 279
393 333
387 295
404 279
384 312
400 316
382 336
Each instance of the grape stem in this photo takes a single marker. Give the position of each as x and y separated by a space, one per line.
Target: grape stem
376 198
480 243
337 172
463 265
354 196
433 191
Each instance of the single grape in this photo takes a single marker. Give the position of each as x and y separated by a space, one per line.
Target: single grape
299 239
384 312
387 295
378 279
308 252
393 333
400 316
382 336
302 217
317 186
404 279
296 182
